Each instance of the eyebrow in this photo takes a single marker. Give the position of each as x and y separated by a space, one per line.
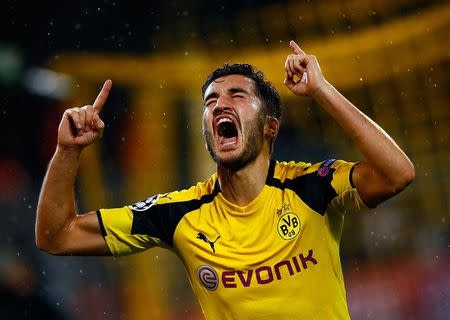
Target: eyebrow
211 95
230 91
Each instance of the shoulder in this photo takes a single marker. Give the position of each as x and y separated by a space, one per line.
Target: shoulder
289 170
313 183
195 192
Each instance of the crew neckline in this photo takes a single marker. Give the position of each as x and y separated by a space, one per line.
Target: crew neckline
256 203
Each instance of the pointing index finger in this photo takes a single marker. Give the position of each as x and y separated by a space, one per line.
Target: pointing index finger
295 48
102 96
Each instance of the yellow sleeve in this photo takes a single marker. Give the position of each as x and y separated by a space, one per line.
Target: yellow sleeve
150 222
120 233
347 198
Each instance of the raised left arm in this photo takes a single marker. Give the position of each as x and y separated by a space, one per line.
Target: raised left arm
386 169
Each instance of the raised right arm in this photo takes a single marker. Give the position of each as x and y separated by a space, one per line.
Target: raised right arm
59 228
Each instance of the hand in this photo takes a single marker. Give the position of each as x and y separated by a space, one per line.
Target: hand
80 127
303 74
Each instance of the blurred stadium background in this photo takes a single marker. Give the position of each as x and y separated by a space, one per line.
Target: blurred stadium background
391 58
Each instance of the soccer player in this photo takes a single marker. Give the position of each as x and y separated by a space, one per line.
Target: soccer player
257 238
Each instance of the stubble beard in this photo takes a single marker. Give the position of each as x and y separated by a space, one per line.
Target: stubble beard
252 146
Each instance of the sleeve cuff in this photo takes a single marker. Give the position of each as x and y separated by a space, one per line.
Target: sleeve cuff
100 222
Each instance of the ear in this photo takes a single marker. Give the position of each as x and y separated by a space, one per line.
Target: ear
272 128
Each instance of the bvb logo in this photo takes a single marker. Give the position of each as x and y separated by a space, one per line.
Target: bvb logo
289 226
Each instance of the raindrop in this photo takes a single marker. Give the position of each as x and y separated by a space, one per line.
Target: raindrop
186 53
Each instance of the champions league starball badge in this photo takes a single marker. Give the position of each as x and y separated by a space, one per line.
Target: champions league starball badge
146 204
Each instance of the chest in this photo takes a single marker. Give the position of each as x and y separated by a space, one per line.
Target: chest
272 230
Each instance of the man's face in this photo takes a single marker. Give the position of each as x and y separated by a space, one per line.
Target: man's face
233 121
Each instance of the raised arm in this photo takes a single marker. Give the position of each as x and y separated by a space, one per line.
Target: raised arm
59 229
386 169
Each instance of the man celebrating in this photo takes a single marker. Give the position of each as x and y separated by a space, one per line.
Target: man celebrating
256 238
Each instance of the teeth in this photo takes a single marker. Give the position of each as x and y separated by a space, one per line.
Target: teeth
223 120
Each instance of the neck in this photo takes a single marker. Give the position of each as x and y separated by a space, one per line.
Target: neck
242 186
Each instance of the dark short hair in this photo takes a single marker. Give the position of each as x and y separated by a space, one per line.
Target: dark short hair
264 89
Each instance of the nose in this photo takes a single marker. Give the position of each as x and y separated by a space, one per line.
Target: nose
222 105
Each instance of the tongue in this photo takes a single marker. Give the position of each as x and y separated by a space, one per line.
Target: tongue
224 141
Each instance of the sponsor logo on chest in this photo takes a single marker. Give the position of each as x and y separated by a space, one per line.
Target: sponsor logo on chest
262 275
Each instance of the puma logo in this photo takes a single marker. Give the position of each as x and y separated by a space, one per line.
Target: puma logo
202 237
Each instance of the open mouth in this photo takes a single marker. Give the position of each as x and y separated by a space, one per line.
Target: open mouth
227 132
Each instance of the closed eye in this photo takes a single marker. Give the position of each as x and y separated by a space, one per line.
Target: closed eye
210 102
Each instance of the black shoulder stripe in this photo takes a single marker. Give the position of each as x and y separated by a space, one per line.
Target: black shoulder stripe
313 188
271 172
161 220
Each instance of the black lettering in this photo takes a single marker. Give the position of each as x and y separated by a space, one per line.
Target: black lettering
245 282
297 267
228 279
269 275
288 221
279 264
308 258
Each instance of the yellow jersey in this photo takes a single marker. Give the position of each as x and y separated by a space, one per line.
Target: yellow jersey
275 258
